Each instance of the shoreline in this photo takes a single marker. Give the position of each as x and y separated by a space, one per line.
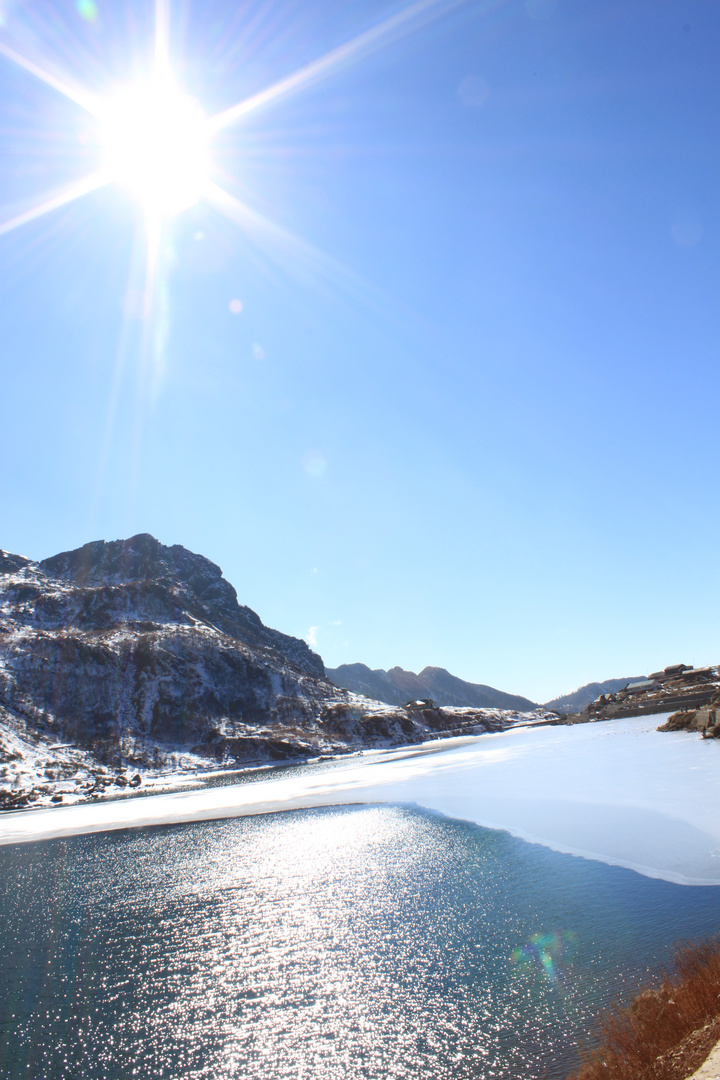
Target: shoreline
169 781
655 808
175 781
36 772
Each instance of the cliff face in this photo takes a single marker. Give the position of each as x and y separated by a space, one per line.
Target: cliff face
135 654
134 642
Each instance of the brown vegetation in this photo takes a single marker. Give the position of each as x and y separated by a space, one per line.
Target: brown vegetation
703 720
680 721
668 1031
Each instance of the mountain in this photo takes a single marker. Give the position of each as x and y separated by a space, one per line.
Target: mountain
135 642
397 686
580 698
134 654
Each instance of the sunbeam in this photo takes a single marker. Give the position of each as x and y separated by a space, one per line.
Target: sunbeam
281 240
253 222
68 195
156 144
81 97
320 69
153 239
162 37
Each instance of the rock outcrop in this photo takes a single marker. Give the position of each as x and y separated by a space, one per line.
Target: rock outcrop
704 720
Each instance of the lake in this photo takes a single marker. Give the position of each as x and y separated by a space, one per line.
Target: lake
374 941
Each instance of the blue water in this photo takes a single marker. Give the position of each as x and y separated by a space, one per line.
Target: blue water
358 942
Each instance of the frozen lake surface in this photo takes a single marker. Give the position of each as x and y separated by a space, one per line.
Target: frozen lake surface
619 792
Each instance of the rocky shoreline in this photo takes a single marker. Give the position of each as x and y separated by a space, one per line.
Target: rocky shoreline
23 797
38 772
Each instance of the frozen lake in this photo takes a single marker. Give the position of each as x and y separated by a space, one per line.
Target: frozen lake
619 792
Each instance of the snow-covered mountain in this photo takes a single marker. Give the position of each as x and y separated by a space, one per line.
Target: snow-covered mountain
136 654
139 644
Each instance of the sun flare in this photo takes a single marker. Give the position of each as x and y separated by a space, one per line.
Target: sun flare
156 146
155 138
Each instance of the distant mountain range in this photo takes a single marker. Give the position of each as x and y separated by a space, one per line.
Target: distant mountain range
397 686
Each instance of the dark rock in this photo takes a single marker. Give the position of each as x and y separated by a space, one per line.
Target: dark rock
135 641
11 564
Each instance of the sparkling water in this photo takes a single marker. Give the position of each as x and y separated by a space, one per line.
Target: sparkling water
364 942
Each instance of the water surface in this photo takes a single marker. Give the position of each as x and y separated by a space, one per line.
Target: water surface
371 942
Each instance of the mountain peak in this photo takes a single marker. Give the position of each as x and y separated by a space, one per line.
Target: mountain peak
139 558
11 564
135 636
106 585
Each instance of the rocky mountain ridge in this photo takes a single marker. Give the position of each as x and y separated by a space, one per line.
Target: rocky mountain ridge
131 655
397 686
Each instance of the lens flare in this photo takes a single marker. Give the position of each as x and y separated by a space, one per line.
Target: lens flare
87 9
546 951
314 463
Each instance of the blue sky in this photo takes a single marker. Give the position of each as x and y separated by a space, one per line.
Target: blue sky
469 418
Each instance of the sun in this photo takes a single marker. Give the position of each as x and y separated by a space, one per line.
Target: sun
155 138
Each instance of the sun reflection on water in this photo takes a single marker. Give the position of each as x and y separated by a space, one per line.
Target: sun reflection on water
330 943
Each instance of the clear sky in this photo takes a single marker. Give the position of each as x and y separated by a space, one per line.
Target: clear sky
453 399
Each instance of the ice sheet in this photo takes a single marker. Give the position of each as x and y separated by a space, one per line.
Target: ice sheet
619 792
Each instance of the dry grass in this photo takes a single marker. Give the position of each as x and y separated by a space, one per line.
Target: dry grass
668 1031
